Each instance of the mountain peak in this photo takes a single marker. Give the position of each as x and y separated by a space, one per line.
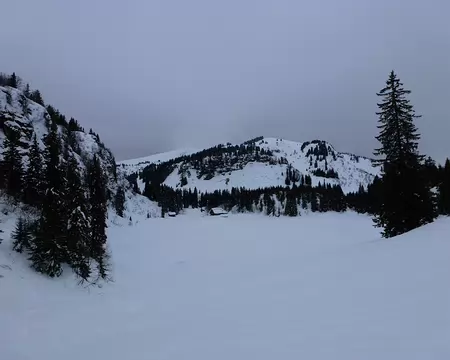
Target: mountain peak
256 163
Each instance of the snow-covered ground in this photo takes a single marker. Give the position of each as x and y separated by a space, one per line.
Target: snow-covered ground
322 286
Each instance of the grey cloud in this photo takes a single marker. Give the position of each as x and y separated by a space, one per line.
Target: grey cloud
151 76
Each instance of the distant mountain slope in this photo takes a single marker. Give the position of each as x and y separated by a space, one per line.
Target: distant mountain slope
258 163
352 170
135 165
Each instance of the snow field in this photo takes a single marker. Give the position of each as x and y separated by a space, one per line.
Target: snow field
322 286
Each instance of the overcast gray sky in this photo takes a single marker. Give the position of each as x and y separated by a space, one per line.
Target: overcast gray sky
155 75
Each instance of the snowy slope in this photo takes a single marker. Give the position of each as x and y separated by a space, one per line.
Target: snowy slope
247 287
12 117
352 170
135 165
35 121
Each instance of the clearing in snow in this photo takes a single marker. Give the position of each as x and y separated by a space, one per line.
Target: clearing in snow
245 287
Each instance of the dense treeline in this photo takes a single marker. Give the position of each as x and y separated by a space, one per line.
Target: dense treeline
278 201
274 201
66 192
320 150
328 173
254 140
436 177
297 194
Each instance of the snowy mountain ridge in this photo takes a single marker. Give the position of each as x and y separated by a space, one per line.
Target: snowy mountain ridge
25 118
135 165
33 119
258 163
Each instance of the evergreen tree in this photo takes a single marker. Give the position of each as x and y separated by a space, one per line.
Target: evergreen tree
407 201
33 184
119 201
270 207
27 91
431 172
314 203
444 190
37 97
13 80
21 236
49 248
74 125
195 199
78 233
98 211
304 202
13 166
291 206
287 180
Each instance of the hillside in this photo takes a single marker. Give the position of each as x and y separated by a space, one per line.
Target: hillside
246 287
264 163
135 165
60 186
23 116
27 118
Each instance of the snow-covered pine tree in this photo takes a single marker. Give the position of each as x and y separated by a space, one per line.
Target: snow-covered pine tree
33 179
27 91
119 201
406 201
78 222
48 250
270 210
98 211
21 236
37 97
13 166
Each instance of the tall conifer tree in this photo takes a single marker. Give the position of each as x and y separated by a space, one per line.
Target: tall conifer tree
78 222
49 249
21 236
406 199
444 190
119 201
98 210
33 180
13 166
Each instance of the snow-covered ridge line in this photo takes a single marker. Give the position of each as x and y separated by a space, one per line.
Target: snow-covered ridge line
135 165
316 158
